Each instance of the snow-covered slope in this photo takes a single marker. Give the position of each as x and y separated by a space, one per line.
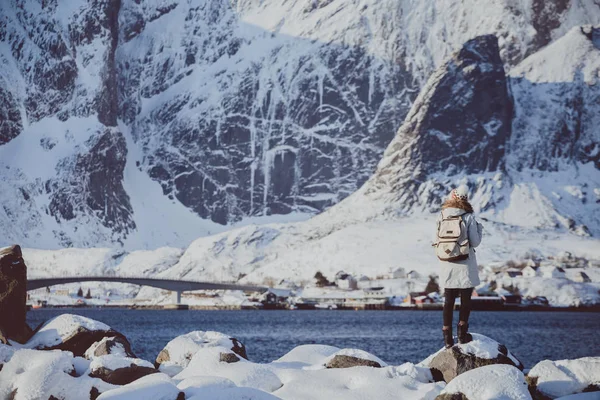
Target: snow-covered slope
151 123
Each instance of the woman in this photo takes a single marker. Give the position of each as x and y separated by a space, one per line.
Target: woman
458 274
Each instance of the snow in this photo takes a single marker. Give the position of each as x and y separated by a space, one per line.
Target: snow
151 387
491 382
308 354
116 348
565 377
114 362
357 353
59 328
182 349
244 373
41 374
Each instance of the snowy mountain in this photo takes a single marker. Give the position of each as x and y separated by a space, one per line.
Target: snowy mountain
143 124
468 125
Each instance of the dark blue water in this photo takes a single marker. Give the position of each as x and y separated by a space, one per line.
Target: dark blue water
394 336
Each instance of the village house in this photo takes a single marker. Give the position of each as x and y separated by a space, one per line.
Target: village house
346 281
581 276
531 271
552 272
399 273
510 273
413 275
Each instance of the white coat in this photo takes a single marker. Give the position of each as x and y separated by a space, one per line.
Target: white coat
461 274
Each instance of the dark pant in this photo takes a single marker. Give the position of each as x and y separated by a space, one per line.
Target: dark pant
465 304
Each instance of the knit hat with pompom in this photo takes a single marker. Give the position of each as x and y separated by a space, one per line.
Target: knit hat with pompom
460 193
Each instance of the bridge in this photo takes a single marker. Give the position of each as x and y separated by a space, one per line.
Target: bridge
174 285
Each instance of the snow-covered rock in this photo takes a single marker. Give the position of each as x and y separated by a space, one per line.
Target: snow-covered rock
70 332
116 345
178 352
308 354
34 374
447 364
210 387
491 382
151 387
119 370
207 361
347 358
565 377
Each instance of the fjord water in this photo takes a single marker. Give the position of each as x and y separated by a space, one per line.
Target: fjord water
394 336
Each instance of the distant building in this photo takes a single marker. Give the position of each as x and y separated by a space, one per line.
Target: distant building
399 273
552 272
413 275
412 297
531 271
511 273
581 276
344 280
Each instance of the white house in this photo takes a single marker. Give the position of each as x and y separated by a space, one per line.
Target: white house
531 271
552 272
581 276
399 273
413 275
344 280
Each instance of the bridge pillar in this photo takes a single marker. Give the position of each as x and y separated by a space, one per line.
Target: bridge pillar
176 297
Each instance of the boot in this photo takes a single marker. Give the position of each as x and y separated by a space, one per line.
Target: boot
463 335
448 339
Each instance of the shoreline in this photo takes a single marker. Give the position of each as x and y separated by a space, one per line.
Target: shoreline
183 307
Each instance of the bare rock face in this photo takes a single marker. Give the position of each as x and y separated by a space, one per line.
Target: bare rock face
13 295
482 351
228 358
465 102
342 361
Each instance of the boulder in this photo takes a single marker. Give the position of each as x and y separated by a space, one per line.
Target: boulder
117 345
341 361
347 358
151 387
72 333
490 382
552 379
35 374
228 358
119 370
179 351
13 296
446 364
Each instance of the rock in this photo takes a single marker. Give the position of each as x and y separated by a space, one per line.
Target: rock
228 358
179 351
341 361
13 295
347 358
487 382
117 345
481 351
72 333
120 370
565 377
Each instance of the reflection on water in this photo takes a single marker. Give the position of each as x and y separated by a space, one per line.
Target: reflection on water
394 336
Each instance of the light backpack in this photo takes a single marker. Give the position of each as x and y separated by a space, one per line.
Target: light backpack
452 239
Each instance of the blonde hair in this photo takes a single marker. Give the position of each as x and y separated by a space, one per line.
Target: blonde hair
453 202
